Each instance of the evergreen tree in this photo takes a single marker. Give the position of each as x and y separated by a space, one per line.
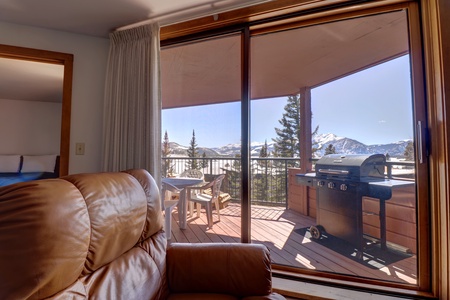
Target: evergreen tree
167 167
234 177
261 182
204 163
192 152
287 142
330 149
409 151
288 136
264 152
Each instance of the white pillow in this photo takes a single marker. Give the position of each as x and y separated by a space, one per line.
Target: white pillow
38 163
9 163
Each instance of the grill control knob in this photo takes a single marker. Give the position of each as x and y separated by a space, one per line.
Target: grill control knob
320 183
343 187
331 185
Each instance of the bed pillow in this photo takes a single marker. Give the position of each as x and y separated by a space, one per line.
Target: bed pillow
38 163
9 163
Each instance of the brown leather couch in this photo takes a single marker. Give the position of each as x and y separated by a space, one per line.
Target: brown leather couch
99 236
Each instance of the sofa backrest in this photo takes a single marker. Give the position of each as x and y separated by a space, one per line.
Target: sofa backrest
95 236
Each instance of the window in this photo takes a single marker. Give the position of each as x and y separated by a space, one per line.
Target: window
342 85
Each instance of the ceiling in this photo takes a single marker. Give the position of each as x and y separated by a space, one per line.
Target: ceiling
24 81
281 63
100 17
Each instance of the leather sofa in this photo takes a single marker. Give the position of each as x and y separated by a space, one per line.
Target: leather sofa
100 236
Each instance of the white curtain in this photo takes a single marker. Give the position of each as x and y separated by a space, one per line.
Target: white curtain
132 107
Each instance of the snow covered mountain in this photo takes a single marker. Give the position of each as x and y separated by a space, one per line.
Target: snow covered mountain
349 146
342 145
179 150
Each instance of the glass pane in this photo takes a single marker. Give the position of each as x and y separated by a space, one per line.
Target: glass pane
201 126
335 191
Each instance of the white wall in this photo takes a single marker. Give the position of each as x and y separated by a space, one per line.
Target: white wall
29 127
90 56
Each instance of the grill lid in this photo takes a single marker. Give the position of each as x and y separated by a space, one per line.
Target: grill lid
351 166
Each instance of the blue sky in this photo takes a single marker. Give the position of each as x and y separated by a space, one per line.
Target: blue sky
373 106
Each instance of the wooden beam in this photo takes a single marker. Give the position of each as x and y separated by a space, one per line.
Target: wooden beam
305 137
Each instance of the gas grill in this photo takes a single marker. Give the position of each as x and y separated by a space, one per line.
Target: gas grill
341 182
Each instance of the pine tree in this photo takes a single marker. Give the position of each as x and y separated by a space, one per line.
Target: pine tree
204 163
234 177
287 142
261 182
330 149
192 152
264 152
288 136
167 167
409 151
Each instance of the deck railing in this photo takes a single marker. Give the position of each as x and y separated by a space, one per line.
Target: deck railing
269 176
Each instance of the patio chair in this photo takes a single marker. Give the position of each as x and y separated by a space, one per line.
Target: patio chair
167 205
200 198
192 173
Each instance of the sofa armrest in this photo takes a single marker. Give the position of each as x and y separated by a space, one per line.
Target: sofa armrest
241 270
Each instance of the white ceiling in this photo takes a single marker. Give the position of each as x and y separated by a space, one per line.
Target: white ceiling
100 17
88 17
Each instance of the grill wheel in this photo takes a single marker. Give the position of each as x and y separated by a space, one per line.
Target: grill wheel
316 232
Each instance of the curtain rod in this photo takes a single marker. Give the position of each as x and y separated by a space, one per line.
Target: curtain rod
183 15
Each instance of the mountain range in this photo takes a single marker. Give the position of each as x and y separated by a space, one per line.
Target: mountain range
342 145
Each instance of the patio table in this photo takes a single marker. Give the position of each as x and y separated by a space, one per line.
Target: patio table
182 183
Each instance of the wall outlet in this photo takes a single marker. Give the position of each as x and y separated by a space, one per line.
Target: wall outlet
79 148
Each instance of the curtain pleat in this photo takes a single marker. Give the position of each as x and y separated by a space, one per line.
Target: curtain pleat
132 105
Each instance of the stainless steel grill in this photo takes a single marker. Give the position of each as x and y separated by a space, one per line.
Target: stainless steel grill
341 182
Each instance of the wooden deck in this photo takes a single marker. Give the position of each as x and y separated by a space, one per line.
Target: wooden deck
285 233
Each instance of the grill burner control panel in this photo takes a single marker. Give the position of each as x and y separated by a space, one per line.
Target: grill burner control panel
333 185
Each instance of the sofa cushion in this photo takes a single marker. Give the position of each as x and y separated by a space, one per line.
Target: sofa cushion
117 212
154 217
83 237
240 270
51 219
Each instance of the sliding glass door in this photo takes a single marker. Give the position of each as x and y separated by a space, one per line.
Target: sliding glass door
268 103
201 123
341 88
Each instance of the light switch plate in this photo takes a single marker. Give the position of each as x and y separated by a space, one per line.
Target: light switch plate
79 148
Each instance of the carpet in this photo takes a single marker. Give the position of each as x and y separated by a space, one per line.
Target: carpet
372 257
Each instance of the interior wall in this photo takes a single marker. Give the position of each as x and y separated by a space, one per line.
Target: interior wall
89 68
29 127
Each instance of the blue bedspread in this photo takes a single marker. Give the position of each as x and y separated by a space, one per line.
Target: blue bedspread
6 179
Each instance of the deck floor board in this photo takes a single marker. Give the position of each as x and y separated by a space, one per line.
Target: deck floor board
275 227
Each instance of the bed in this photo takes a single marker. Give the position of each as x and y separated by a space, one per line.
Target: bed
20 168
